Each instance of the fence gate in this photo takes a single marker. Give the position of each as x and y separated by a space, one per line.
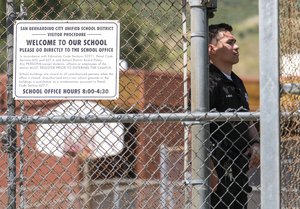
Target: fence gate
123 153
134 151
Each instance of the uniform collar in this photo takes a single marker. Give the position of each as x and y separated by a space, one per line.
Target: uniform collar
214 69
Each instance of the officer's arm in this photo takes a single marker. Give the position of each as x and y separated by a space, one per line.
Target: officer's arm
254 150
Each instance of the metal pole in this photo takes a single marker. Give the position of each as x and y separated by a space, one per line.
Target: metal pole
22 15
140 117
116 196
87 199
11 128
269 103
186 101
163 167
199 102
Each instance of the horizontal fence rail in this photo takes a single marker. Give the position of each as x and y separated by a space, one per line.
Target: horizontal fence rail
132 118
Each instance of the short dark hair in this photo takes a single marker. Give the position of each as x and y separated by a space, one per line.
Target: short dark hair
213 30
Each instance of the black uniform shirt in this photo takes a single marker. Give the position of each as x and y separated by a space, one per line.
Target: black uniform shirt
228 95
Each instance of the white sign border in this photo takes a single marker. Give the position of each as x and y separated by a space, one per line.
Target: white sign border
71 97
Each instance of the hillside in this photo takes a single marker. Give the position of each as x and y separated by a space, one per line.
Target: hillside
235 11
243 16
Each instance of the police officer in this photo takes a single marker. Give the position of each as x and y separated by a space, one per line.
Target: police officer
235 145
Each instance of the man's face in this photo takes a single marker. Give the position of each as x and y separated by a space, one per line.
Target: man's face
224 48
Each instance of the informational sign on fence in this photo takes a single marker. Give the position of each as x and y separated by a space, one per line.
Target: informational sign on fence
66 60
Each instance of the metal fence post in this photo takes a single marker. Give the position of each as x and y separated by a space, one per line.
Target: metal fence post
164 183
11 128
199 102
269 104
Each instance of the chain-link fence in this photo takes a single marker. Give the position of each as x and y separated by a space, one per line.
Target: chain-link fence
135 151
102 164
290 66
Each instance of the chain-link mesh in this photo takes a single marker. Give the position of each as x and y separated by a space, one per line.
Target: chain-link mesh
141 163
106 165
290 66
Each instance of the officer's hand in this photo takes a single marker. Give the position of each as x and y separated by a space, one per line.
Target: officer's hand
254 152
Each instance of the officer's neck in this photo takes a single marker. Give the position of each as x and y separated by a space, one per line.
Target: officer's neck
225 68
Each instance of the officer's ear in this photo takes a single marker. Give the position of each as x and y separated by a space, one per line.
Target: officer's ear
211 49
